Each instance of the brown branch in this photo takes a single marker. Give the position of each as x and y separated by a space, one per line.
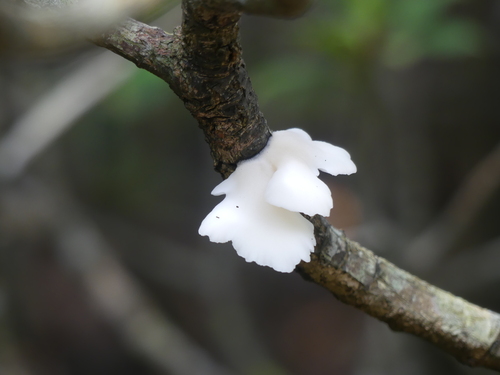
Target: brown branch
202 64
275 8
359 278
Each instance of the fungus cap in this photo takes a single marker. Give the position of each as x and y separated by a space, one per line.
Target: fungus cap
265 196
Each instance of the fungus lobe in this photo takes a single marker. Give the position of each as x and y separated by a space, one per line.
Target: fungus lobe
265 196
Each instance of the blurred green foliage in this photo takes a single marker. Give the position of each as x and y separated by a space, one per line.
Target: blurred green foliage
398 33
326 80
125 150
344 42
118 156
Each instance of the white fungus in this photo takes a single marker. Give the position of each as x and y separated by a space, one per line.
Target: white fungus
266 194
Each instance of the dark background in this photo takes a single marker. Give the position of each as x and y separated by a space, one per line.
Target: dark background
102 270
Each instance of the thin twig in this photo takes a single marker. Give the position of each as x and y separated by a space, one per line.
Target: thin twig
43 26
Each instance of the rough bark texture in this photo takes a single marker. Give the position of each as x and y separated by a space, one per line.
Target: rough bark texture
219 93
202 64
275 8
359 278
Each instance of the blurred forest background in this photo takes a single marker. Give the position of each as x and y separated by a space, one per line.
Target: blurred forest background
105 178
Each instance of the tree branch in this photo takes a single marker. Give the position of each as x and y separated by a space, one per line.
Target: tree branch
275 8
361 279
202 63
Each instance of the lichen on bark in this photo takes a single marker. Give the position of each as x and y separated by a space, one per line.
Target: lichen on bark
358 277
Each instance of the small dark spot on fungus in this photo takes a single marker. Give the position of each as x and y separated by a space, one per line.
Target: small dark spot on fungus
217 217
237 206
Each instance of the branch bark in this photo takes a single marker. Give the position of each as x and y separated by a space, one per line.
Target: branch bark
275 8
202 64
361 279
